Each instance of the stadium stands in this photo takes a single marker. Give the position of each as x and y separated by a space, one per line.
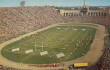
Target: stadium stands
12 68
19 20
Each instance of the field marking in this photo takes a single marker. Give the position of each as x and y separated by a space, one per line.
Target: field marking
25 66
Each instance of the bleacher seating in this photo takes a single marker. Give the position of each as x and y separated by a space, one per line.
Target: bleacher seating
18 20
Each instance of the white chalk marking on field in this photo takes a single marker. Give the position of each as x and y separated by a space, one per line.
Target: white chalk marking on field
83 29
43 53
60 55
15 50
75 29
58 28
29 51
70 53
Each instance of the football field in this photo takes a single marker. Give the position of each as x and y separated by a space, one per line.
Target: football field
54 45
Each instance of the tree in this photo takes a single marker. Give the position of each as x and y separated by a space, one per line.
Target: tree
22 3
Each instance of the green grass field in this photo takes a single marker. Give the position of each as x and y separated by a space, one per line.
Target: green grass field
60 39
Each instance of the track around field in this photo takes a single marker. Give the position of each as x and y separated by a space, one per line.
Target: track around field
93 55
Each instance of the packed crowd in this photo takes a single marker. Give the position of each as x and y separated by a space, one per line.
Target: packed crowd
9 68
12 68
18 20
106 60
104 63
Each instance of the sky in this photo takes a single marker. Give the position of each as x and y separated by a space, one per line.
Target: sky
15 3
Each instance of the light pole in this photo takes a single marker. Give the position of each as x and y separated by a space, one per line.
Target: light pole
22 3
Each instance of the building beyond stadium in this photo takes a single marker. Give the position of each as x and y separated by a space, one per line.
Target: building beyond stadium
85 11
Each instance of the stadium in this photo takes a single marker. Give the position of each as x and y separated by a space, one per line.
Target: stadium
54 38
